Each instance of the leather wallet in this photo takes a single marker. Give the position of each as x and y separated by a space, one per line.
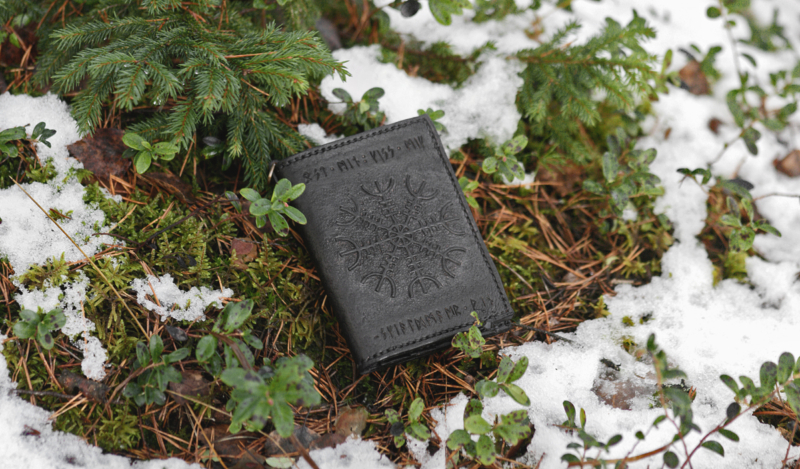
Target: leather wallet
398 252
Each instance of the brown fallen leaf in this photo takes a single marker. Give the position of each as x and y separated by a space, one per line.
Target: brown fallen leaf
102 154
92 389
713 125
277 445
246 251
694 79
351 421
790 164
328 440
193 385
170 184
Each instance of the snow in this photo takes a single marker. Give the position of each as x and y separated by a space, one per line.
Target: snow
483 107
316 134
353 453
175 303
706 330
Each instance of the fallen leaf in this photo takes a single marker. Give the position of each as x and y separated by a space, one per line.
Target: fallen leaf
91 389
246 251
790 164
177 333
193 385
693 79
171 184
102 154
278 445
329 440
714 124
351 421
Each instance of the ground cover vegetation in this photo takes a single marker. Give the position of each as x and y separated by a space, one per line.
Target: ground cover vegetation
208 93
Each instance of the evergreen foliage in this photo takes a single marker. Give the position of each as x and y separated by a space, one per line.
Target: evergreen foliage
561 81
203 65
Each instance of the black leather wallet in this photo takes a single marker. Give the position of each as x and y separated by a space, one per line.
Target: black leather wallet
394 242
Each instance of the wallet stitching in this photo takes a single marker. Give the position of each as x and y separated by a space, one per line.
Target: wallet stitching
477 239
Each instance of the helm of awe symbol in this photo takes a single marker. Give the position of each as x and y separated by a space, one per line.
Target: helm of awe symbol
401 238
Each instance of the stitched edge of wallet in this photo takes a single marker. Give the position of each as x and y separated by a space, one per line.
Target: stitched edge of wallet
476 236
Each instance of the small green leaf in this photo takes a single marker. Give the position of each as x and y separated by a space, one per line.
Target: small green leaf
29 316
132 140
484 450
281 188
569 408
504 370
177 355
458 438
156 347
733 106
54 319
343 95
237 314
141 354
486 388
283 418
516 393
167 150
594 187
731 383
206 347
142 161
45 338
295 192
520 367
14 133
295 214
729 434
793 396
373 94
418 431
715 447
477 425
280 462
250 194
489 165
260 207
363 107
279 223
768 375
37 131
610 166
750 137
671 459
512 433
132 390
415 409
24 329
711 12
785 365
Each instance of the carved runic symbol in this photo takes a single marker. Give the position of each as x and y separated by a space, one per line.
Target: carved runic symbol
399 238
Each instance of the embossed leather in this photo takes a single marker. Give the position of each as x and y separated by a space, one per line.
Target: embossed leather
398 252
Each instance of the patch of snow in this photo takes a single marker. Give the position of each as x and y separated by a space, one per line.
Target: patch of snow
316 134
353 453
175 303
483 107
